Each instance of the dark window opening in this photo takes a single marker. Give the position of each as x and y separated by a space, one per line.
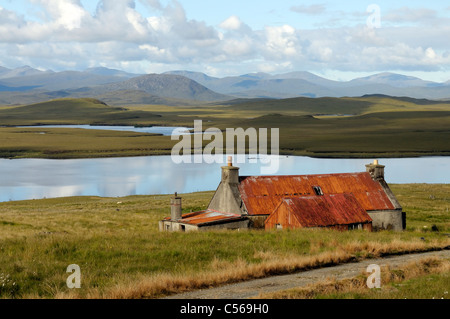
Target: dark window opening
318 190
355 226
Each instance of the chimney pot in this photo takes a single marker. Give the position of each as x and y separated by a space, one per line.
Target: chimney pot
376 170
230 174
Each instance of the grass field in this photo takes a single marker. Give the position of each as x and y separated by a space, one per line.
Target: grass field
382 127
122 254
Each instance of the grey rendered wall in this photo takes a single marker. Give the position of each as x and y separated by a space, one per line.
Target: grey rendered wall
390 220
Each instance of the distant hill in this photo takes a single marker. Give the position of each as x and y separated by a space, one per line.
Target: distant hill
405 99
196 76
133 97
308 76
258 85
70 111
316 106
55 109
168 86
110 72
4 88
20 72
395 80
96 82
61 80
26 85
296 84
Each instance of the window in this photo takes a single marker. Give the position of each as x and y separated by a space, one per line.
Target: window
318 190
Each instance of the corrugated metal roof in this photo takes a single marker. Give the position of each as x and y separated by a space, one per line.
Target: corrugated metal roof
327 210
207 217
261 194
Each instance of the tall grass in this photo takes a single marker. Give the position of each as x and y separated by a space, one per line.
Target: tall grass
426 278
225 272
122 254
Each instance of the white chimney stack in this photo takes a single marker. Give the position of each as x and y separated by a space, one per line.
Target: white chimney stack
230 174
175 208
376 170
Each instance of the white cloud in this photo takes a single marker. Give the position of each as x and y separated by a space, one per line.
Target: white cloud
187 29
237 47
232 23
154 51
320 52
430 54
281 41
118 35
274 67
314 9
66 13
159 24
153 3
406 14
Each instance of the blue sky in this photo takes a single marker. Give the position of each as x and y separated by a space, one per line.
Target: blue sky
337 39
262 13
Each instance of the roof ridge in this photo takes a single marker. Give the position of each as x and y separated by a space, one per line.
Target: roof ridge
284 176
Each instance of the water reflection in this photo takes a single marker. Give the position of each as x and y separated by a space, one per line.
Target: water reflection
164 130
115 177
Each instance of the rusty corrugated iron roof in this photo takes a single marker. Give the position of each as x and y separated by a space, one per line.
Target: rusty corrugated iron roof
325 211
261 194
208 216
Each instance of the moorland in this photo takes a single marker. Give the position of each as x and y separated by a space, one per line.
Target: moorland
122 254
364 127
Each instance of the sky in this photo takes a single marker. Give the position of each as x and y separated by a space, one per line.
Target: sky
340 40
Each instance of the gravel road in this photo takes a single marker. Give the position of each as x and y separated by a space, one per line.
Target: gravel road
253 288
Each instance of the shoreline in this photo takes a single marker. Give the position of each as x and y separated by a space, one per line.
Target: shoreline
115 154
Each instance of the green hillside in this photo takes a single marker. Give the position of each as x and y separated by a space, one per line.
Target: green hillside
338 106
71 111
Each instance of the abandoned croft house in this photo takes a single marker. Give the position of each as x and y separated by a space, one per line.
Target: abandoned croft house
339 201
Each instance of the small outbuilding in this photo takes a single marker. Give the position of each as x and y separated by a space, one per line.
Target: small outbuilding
203 220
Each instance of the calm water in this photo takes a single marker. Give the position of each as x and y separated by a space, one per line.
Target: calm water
112 177
167 131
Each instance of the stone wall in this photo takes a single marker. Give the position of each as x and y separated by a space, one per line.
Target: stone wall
390 220
175 226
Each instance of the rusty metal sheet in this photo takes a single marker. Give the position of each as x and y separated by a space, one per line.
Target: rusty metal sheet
321 211
261 194
208 216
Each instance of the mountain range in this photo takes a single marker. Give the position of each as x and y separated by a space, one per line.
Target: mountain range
26 85
295 84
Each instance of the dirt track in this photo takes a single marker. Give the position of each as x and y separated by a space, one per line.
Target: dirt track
252 288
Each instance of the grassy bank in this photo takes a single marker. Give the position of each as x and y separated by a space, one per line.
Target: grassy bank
56 143
122 254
